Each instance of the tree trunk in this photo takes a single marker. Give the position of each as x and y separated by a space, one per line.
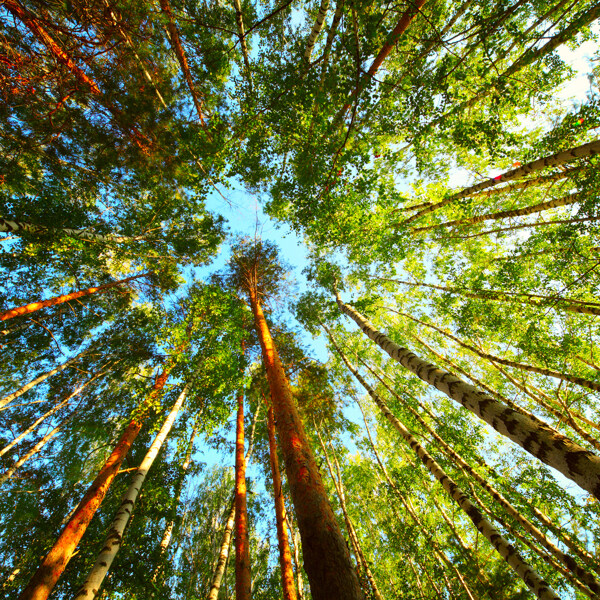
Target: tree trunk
39 379
326 557
239 19
18 227
31 22
339 488
568 561
554 160
223 559
285 556
242 552
554 449
49 413
529 576
405 20
567 304
175 40
114 539
33 451
168 533
223 554
505 361
48 573
296 541
35 306
507 214
522 185
316 30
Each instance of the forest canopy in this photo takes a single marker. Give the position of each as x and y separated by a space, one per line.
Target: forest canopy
415 416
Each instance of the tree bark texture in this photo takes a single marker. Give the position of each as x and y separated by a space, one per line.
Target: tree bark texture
326 557
285 555
554 160
114 539
242 551
54 563
533 581
35 306
556 450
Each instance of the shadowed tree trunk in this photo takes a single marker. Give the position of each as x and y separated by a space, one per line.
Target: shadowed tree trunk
242 551
285 555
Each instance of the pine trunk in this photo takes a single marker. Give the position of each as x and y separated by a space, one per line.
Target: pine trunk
53 565
554 449
326 557
405 20
33 24
242 551
285 555
165 6
35 306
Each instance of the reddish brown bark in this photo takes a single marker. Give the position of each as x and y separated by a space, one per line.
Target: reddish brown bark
181 57
53 565
34 306
38 30
242 553
285 555
402 25
326 556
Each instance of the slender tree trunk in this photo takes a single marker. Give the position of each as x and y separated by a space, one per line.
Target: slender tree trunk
33 24
168 533
242 551
529 576
565 559
296 541
49 413
402 25
285 556
326 557
316 29
221 567
522 185
18 227
525 226
52 566
554 449
507 214
339 488
175 40
35 306
239 19
223 554
39 379
418 580
505 361
566 304
554 160
34 450
114 539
